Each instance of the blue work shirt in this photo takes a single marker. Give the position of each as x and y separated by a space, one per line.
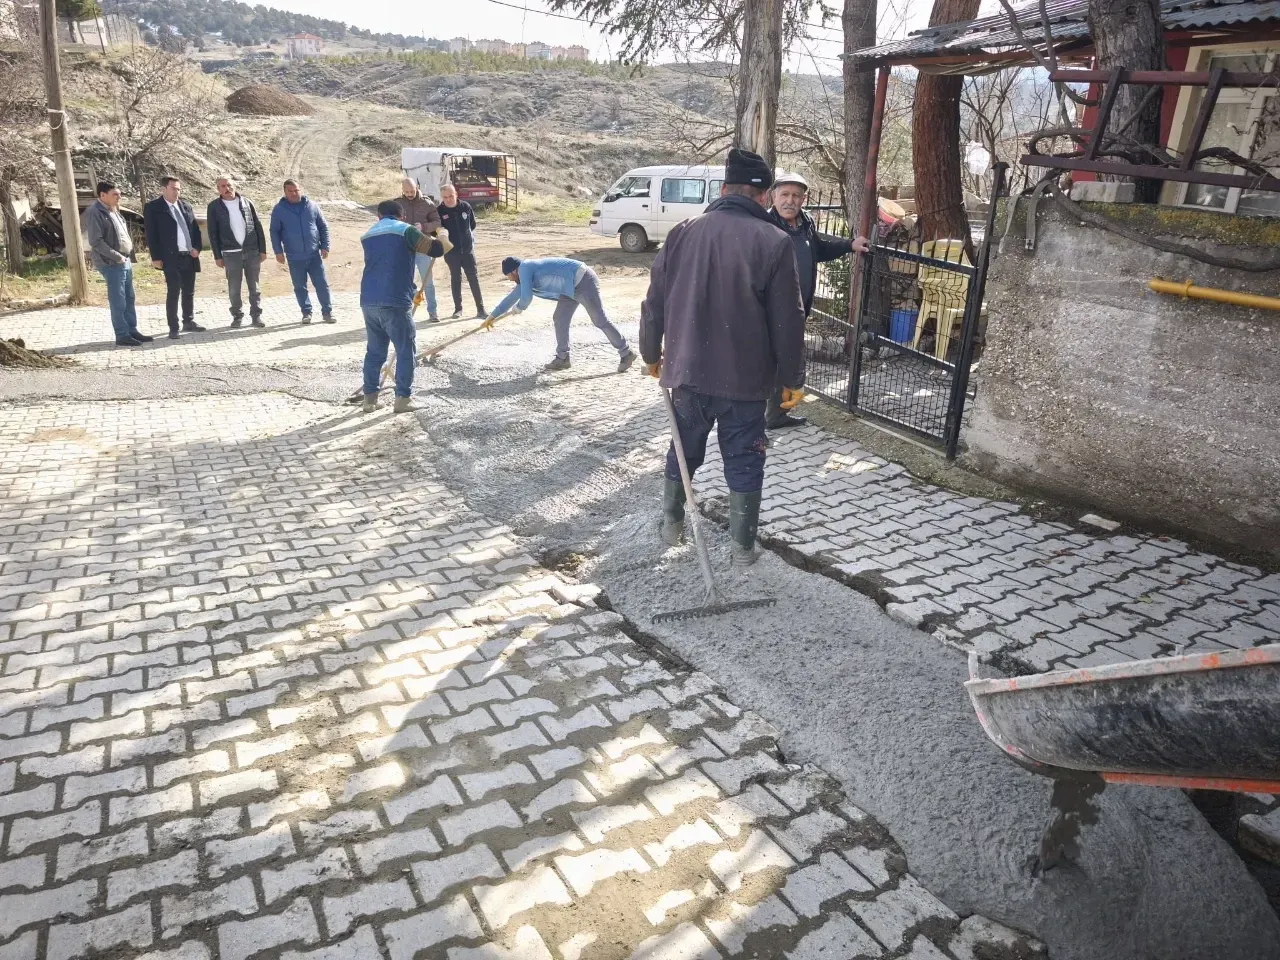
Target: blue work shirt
390 247
549 279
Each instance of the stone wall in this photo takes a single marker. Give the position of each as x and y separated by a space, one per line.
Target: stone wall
1146 407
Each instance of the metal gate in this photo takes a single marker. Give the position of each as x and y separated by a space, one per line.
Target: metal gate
906 364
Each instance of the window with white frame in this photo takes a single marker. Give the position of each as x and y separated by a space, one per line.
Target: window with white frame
1245 120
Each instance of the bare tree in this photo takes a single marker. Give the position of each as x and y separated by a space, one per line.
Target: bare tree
859 22
751 33
159 98
1000 111
23 148
935 144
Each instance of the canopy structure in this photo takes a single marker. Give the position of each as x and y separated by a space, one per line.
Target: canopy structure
411 157
992 43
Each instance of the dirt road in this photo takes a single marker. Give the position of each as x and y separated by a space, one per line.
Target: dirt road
495 240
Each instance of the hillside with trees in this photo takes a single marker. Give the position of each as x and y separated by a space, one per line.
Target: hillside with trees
243 24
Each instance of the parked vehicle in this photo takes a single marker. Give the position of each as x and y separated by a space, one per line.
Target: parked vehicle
642 207
474 187
483 177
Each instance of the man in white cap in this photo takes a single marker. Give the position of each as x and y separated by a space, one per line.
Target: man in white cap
790 191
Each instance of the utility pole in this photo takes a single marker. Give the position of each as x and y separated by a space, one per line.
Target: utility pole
76 271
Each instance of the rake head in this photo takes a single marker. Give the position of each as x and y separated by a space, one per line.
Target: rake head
713 610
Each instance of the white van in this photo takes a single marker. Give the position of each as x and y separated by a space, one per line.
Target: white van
642 207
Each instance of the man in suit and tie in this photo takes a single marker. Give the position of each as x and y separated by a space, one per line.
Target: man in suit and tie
173 237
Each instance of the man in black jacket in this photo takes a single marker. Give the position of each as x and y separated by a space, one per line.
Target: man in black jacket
724 299
457 217
173 237
811 248
239 246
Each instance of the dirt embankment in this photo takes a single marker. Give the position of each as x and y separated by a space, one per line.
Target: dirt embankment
600 100
16 353
264 100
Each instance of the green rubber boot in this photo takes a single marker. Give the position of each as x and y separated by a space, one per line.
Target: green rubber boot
672 513
744 517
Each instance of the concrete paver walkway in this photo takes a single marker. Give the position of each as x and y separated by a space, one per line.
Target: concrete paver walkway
268 683
265 688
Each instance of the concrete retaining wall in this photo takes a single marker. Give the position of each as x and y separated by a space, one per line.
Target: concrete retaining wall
1150 408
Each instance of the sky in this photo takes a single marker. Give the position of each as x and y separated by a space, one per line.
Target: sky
527 20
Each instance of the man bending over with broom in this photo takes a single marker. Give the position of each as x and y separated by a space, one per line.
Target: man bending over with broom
724 298
391 247
570 283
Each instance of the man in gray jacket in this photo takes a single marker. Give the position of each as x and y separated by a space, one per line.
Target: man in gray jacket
111 250
421 214
724 302
239 246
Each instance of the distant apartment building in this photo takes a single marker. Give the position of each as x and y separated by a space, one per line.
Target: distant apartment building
577 52
501 47
303 45
559 53
459 45
518 49
537 51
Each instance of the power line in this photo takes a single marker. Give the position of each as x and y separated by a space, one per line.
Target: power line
545 13
565 16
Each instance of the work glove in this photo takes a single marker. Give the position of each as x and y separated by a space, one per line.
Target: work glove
489 322
790 397
418 298
652 369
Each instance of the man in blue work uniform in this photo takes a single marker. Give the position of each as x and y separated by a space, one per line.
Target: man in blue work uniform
569 283
391 249
300 234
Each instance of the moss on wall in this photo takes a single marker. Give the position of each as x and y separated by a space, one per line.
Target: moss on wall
1197 224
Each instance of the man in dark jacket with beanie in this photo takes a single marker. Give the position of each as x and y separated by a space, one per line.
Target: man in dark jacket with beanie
724 301
391 249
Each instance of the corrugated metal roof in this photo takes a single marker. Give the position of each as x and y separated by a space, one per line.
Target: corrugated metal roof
1067 22
1220 15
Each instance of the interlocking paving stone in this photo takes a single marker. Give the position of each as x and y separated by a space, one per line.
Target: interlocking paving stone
352 764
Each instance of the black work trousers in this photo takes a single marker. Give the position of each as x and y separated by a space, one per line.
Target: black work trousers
180 282
459 261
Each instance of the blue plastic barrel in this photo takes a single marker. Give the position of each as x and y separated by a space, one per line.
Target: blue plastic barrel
902 325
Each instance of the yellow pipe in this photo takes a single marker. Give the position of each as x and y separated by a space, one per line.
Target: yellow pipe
1217 294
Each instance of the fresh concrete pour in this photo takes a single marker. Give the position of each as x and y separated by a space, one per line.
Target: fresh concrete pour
878 704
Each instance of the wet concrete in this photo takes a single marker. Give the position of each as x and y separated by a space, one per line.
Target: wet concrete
877 703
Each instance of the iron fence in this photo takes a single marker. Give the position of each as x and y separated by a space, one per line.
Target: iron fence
912 325
828 333
906 360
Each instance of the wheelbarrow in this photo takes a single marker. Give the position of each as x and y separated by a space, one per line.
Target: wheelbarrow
1206 721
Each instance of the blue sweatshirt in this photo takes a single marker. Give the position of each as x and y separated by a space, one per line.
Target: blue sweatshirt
550 279
298 230
390 248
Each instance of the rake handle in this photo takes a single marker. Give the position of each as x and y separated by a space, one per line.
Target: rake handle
704 560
